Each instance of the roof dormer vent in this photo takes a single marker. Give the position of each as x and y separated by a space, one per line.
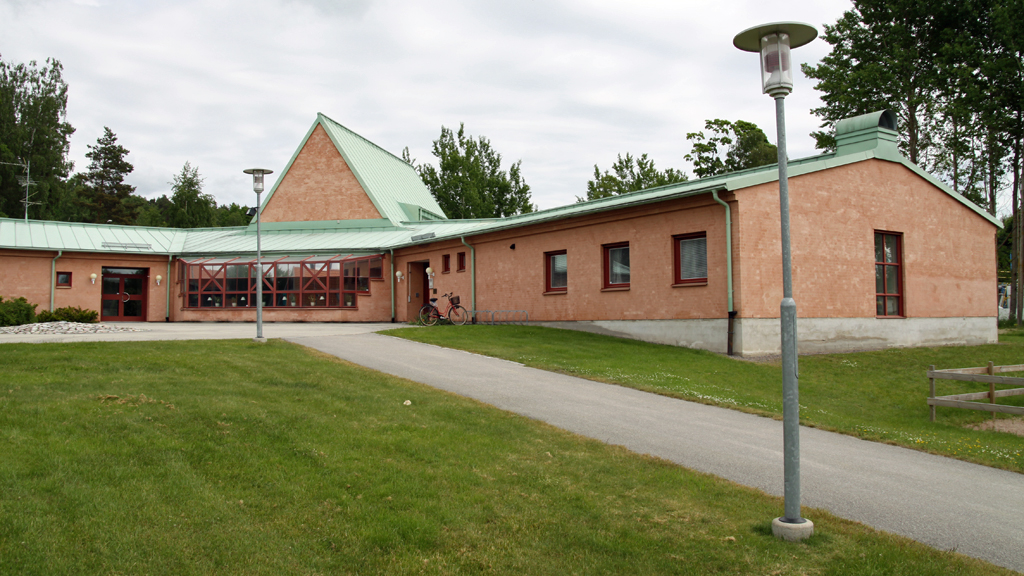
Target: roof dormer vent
874 131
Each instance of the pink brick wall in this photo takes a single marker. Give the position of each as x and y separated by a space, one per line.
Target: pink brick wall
319 186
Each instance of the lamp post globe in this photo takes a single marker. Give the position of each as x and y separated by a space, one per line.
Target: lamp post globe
257 187
773 42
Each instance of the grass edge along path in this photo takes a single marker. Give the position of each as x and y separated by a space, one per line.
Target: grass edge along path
878 396
234 458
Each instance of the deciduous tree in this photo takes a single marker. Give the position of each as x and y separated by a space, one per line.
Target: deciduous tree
627 175
728 147
34 131
191 207
469 182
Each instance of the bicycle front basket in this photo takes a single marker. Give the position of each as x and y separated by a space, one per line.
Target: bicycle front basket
455 300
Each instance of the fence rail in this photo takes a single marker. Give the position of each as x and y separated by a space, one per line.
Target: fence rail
521 317
984 375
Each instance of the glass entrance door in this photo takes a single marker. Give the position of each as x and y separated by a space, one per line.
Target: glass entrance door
124 294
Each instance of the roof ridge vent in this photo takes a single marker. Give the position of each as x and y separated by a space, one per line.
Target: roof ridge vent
873 131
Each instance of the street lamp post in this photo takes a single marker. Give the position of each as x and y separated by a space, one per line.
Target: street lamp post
773 42
257 187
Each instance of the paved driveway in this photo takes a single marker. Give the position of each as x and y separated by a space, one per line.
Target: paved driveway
945 503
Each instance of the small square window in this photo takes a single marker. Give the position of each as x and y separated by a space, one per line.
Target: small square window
556 268
460 261
616 265
446 263
691 258
64 279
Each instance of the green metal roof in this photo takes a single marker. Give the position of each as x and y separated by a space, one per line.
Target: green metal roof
79 237
393 184
394 187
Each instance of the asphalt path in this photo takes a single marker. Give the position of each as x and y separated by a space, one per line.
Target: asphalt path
942 502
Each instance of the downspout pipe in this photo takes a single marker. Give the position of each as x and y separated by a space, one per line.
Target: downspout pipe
53 277
392 260
167 311
728 265
472 276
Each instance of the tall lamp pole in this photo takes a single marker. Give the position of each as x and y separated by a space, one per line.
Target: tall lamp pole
773 42
257 187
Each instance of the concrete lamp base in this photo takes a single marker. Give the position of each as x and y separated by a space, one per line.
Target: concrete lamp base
792 532
260 340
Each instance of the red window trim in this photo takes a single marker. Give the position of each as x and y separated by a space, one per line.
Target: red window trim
548 289
677 264
606 281
898 265
60 284
446 263
460 262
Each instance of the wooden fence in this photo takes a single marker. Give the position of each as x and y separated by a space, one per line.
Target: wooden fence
986 375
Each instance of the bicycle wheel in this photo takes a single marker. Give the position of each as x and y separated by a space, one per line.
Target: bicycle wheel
458 315
429 315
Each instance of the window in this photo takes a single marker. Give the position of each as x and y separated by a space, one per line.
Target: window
446 263
888 276
64 279
616 265
460 261
556 267
297 282
691 258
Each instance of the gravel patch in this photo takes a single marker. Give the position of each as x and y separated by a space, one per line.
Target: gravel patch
66 328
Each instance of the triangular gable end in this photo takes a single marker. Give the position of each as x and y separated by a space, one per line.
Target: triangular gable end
318 184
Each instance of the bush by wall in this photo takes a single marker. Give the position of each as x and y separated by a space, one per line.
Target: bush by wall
16 312
68 314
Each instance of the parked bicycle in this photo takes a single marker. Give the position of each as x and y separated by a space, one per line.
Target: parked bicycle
430 314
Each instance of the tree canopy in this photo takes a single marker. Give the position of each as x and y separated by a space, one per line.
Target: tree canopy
105 192
953 73
728 147
629 174
34 136
191 208
469 181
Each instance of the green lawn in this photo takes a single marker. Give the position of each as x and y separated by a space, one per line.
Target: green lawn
227 457
873 395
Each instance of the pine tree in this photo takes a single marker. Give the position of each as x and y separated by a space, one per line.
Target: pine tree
105 192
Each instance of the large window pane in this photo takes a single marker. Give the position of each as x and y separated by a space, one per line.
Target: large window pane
618 265
237 278
879 278
693 258
879 250
559 271
287 277
891 278
376 267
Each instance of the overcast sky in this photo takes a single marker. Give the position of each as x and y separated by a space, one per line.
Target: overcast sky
562 84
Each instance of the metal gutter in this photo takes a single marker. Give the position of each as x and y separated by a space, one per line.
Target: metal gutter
392 276
728 266
167 312
728 243
472 275
53 277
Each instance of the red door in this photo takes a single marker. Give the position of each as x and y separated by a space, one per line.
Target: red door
124 294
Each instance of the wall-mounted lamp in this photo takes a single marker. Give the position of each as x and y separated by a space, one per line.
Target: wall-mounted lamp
158 279
430 272
92 277
399 276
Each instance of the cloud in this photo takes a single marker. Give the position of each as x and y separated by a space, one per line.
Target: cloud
562 85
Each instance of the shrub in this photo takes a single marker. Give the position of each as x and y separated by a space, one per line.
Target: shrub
16 312
68 314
